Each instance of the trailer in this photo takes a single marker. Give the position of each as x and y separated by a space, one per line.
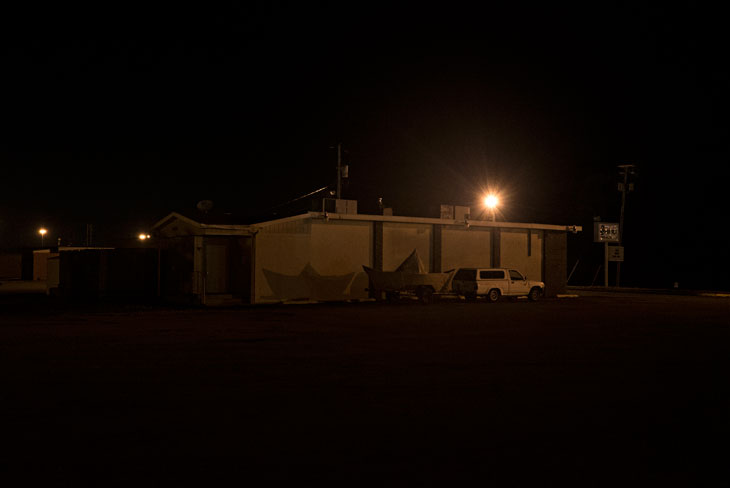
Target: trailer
410 278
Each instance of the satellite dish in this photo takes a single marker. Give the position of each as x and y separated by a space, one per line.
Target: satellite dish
205 205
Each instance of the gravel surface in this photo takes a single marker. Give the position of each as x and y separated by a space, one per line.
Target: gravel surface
600 390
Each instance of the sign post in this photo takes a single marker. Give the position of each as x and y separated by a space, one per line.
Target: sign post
606 232
616 254
605 265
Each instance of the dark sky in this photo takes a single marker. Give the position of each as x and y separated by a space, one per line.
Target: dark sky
117 115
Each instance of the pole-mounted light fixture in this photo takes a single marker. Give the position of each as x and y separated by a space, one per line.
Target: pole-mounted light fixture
491 201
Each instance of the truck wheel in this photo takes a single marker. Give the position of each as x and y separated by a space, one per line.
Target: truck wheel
493 295
425 294
534 294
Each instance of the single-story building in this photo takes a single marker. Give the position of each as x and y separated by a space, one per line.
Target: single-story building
12 264
98 272
45 262
320 255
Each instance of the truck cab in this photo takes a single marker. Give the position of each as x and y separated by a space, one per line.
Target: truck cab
494 283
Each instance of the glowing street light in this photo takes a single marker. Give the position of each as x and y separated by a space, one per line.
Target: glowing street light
42 232
491 201
143 237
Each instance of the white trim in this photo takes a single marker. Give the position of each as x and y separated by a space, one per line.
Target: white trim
177 216
284 220
207 229
217 229
226 230
425 220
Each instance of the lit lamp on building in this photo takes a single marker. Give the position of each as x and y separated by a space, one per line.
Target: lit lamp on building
143 237
491 201
43 233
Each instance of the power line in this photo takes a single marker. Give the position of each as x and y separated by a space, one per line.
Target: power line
299 198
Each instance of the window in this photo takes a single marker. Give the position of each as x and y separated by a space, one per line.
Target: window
491 275
515 275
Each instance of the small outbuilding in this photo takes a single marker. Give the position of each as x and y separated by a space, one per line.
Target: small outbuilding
319 256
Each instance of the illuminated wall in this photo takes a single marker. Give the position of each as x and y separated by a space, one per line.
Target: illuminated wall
463 247
312 260
399 241
321 259
518 253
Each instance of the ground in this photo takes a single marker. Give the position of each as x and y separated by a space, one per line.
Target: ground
599 390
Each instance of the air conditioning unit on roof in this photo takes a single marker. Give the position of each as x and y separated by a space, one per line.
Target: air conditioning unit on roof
339 206
456 212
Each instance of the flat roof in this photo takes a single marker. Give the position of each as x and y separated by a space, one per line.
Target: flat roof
426 220
223 229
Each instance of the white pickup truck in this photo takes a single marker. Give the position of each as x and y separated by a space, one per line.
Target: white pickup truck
494 283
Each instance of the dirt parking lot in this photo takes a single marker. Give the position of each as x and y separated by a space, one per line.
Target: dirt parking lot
600 390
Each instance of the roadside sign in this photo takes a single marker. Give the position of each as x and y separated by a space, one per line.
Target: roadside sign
616 253
605 232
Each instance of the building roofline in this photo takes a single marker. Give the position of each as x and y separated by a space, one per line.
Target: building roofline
171 216
420 220
205 228
253 228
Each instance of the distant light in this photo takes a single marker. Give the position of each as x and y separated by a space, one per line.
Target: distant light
143 237
42 231
491 201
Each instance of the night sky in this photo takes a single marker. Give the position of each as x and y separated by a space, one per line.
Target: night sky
117 115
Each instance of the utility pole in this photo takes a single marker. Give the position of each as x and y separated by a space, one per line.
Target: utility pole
624 187
339 170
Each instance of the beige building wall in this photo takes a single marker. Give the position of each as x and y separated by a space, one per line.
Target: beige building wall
342 247
516 254
282 249
399 241
465 248
312 260
40 264
309 257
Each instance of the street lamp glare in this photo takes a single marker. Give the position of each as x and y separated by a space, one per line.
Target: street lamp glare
42 231
491 201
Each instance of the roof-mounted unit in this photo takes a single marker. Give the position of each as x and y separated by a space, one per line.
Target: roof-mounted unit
339 206
455 212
